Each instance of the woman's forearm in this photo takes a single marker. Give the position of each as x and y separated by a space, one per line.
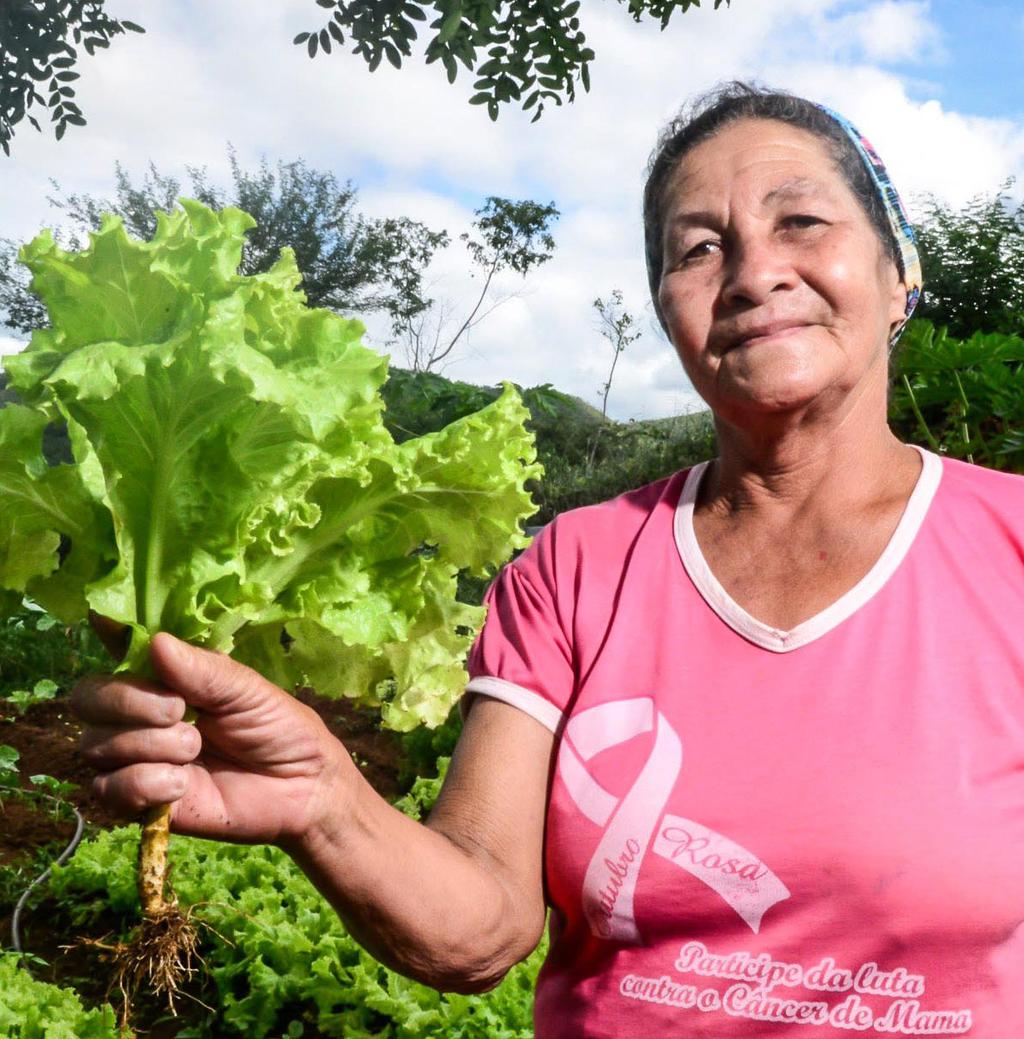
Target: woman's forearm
412 896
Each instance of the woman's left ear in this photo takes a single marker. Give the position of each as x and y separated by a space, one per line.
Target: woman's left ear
897 304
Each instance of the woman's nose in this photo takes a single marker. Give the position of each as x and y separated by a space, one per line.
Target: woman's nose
756 267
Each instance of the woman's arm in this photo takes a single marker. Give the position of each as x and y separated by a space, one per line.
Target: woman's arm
453 903
457 902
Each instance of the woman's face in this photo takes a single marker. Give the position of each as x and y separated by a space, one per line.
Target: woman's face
776 291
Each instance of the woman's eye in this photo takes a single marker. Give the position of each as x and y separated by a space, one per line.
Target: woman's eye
700 250
800 220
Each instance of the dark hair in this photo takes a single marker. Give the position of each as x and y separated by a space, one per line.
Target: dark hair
726 104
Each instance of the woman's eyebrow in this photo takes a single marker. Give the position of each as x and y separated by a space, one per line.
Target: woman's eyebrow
693 218
796 187
787 191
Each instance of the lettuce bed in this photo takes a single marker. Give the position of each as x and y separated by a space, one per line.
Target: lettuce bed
290 968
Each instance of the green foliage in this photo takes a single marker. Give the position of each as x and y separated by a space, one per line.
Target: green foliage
973 261
290 959
964 398
423 748
607 459
424 792
529 51
18 873
512 234
53 787
507 235
38 40
31 1009
10 783
35 646
22 699
417 403
348 262
8 767
233 482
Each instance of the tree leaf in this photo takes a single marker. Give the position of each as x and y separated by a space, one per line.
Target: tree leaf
451 24
391 51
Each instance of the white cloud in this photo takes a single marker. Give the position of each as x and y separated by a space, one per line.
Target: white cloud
10 345
205 75
928 149
891 31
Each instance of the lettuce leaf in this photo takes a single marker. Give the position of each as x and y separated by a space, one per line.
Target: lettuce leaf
233 482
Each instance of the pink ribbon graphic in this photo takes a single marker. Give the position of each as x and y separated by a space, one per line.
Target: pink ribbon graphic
630 823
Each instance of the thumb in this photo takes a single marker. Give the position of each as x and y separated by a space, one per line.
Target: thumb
209 681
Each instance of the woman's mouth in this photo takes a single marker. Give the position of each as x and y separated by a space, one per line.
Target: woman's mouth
767 333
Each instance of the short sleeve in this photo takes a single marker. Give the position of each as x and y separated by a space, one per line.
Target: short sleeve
522 655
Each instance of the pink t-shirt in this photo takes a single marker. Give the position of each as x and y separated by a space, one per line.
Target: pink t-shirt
754 832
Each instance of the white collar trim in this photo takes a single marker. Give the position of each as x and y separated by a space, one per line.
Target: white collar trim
845 606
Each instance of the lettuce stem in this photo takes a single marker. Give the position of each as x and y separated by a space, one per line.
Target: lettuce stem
155 589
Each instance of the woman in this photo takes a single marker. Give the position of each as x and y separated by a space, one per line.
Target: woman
754 732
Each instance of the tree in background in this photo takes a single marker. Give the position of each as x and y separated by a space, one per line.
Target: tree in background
530 51
349 263
959 368
618 326
38 43
507 235
973 261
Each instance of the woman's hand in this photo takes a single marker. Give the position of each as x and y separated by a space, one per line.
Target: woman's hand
258 766
453 903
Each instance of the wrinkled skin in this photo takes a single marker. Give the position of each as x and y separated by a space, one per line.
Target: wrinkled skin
251 766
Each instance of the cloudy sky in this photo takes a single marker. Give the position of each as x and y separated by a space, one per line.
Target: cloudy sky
936 84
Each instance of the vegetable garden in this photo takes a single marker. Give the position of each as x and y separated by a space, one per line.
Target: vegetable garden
197 451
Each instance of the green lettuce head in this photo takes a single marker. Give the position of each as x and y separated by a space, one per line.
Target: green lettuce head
233 482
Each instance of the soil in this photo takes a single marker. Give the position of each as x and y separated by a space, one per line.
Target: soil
46 737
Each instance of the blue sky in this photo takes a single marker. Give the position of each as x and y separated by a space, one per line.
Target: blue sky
936 84
985 42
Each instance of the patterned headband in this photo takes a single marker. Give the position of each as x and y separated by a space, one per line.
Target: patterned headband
910 262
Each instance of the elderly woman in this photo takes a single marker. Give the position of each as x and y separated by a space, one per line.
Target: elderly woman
754 733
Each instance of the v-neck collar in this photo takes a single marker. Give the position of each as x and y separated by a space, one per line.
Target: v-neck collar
846 605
